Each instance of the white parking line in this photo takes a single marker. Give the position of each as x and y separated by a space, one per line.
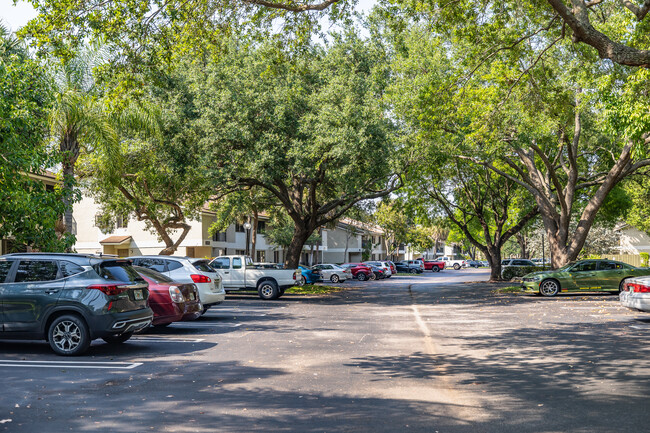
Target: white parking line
645 328
70 364
152 339
204 325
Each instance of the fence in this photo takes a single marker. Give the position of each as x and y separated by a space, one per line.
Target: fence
630 259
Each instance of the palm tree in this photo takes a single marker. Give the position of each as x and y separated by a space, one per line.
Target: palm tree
78 119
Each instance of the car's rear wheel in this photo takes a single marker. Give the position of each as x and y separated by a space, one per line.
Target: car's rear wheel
361 276
456 266
435 269
117 338
68 335
413 271
549 288
372 276
334 278
302 280
268 290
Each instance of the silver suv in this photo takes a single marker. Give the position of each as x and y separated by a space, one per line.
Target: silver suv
188 270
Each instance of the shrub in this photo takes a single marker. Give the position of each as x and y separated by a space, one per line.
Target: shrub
644 259
510 272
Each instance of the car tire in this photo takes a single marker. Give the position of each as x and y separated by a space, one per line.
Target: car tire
413 271
68 335
334 278
456 266
117 338
361 276
268 290
620 286
549 288
372 276
435 269
302 280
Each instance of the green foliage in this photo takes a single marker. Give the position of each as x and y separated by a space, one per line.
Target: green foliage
153 172
510 272
28 212
645 258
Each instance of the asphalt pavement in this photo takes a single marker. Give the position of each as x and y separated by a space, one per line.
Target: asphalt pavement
426 353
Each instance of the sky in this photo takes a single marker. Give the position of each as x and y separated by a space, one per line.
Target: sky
17 16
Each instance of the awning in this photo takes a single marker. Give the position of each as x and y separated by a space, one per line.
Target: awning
116 240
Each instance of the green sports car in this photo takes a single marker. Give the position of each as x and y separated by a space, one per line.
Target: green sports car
582 276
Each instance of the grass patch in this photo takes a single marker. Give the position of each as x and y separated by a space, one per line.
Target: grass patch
510 289
405 274
313 289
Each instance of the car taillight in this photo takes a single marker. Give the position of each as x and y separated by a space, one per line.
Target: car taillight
109 289
200 278
637 288
176 294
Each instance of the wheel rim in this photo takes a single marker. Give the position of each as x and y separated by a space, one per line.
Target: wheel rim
335 278
267 290
361 277
66 336
548 288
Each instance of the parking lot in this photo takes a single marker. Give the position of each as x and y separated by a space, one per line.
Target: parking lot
432 352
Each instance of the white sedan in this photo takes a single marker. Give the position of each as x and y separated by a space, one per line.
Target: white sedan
636 294
334 273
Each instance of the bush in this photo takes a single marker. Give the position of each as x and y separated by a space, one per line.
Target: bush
644 259
510 272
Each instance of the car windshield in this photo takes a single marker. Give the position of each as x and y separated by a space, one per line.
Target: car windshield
566 267
156 277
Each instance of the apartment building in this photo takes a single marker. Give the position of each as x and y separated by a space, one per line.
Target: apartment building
347 242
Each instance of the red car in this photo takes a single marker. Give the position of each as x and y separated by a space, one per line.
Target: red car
170 301
359 271
432 265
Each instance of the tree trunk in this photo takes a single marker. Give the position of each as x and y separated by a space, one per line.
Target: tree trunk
171 246
523 245
300 236
493 256
68 182
256 219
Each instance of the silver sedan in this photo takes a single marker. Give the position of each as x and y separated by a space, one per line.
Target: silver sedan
636 294
332 272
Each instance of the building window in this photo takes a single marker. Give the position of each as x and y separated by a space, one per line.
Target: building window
261 226
219 237
240 252
121 221
276 256
239 228
261 256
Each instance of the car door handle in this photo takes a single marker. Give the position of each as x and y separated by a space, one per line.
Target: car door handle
226 272
51 291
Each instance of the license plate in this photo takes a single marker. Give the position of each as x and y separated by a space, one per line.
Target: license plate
138 295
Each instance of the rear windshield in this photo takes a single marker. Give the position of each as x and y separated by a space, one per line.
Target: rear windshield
118 271
203 266
156 277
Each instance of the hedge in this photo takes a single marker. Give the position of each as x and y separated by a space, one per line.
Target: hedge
510 272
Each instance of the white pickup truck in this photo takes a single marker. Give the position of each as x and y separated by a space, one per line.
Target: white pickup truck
450 262
238 273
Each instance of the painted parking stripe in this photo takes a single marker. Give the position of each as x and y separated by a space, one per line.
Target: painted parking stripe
204 325
642 327
70 364
148 339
